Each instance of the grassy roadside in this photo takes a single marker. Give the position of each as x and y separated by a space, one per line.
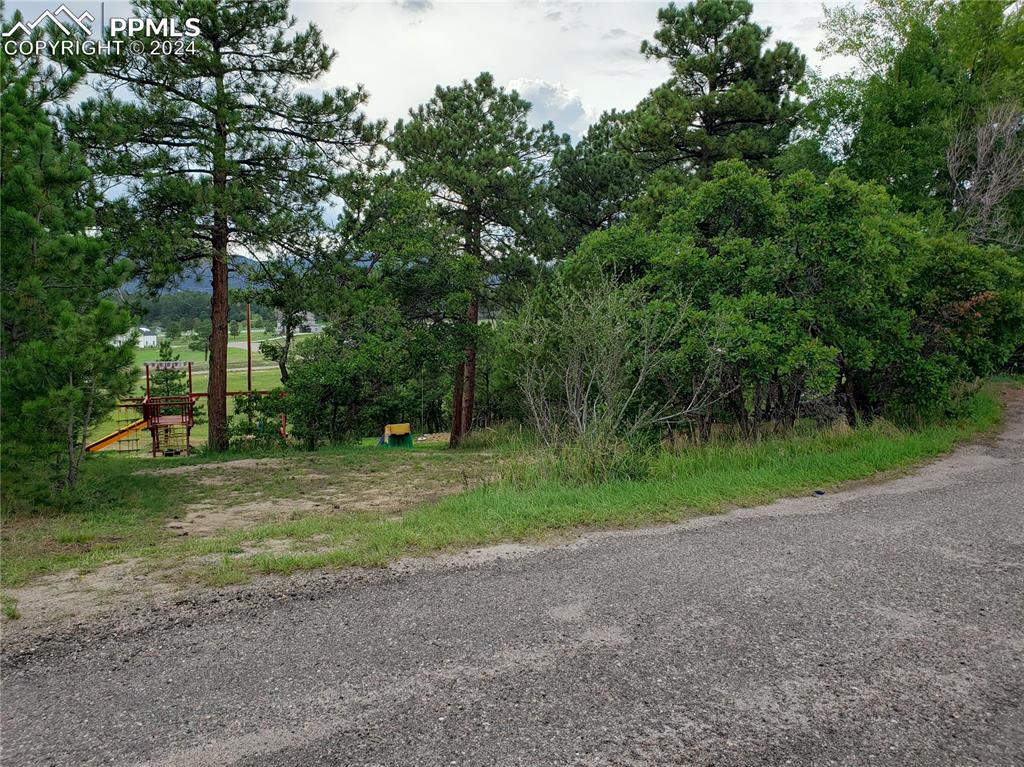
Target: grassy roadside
702 481
123 506
128 520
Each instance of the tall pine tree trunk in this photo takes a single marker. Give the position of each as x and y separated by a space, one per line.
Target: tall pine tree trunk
218 380
474 247
456 436
465 377
469 383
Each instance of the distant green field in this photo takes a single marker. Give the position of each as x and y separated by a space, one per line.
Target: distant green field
237 379
261 379
235 356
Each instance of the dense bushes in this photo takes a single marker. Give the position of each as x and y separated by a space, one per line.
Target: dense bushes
739 303
748 299
256 423
595 362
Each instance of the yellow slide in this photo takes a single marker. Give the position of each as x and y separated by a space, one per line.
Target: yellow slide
110 439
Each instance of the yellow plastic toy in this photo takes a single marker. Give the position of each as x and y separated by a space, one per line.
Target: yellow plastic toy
397 435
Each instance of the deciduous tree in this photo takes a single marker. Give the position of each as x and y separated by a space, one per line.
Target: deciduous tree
932 110
285 285
820 286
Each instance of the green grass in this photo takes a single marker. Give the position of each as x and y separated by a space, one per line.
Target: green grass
702 481
120 509
1008 378
197 358
200 368
127 516
9 607
111 513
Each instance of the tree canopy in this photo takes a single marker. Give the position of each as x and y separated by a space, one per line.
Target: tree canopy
729 95
934 111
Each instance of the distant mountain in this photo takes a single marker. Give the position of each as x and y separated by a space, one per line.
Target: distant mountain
200 280
197 279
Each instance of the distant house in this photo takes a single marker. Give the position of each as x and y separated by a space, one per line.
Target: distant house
308 324
145 339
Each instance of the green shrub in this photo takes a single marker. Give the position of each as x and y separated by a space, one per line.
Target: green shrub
256 424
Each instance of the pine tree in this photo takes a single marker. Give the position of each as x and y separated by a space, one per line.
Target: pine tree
470 146
729 96
63 365
593 180
167 381
218 151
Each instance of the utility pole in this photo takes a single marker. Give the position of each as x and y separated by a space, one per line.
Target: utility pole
248 342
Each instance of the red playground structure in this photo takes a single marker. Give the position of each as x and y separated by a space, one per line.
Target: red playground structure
168 418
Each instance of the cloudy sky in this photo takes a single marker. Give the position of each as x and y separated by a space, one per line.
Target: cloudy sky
571 60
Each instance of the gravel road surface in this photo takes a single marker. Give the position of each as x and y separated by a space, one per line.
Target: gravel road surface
882 625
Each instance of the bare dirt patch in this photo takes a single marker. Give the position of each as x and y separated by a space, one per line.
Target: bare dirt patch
387 490
436 438
237 496
205 518
219 467
75 596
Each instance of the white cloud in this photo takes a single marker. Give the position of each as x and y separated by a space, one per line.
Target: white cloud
553 102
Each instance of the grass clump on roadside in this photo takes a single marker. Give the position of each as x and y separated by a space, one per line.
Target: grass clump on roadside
110 513
9 607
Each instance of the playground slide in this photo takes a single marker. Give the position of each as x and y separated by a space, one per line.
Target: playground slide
110 439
